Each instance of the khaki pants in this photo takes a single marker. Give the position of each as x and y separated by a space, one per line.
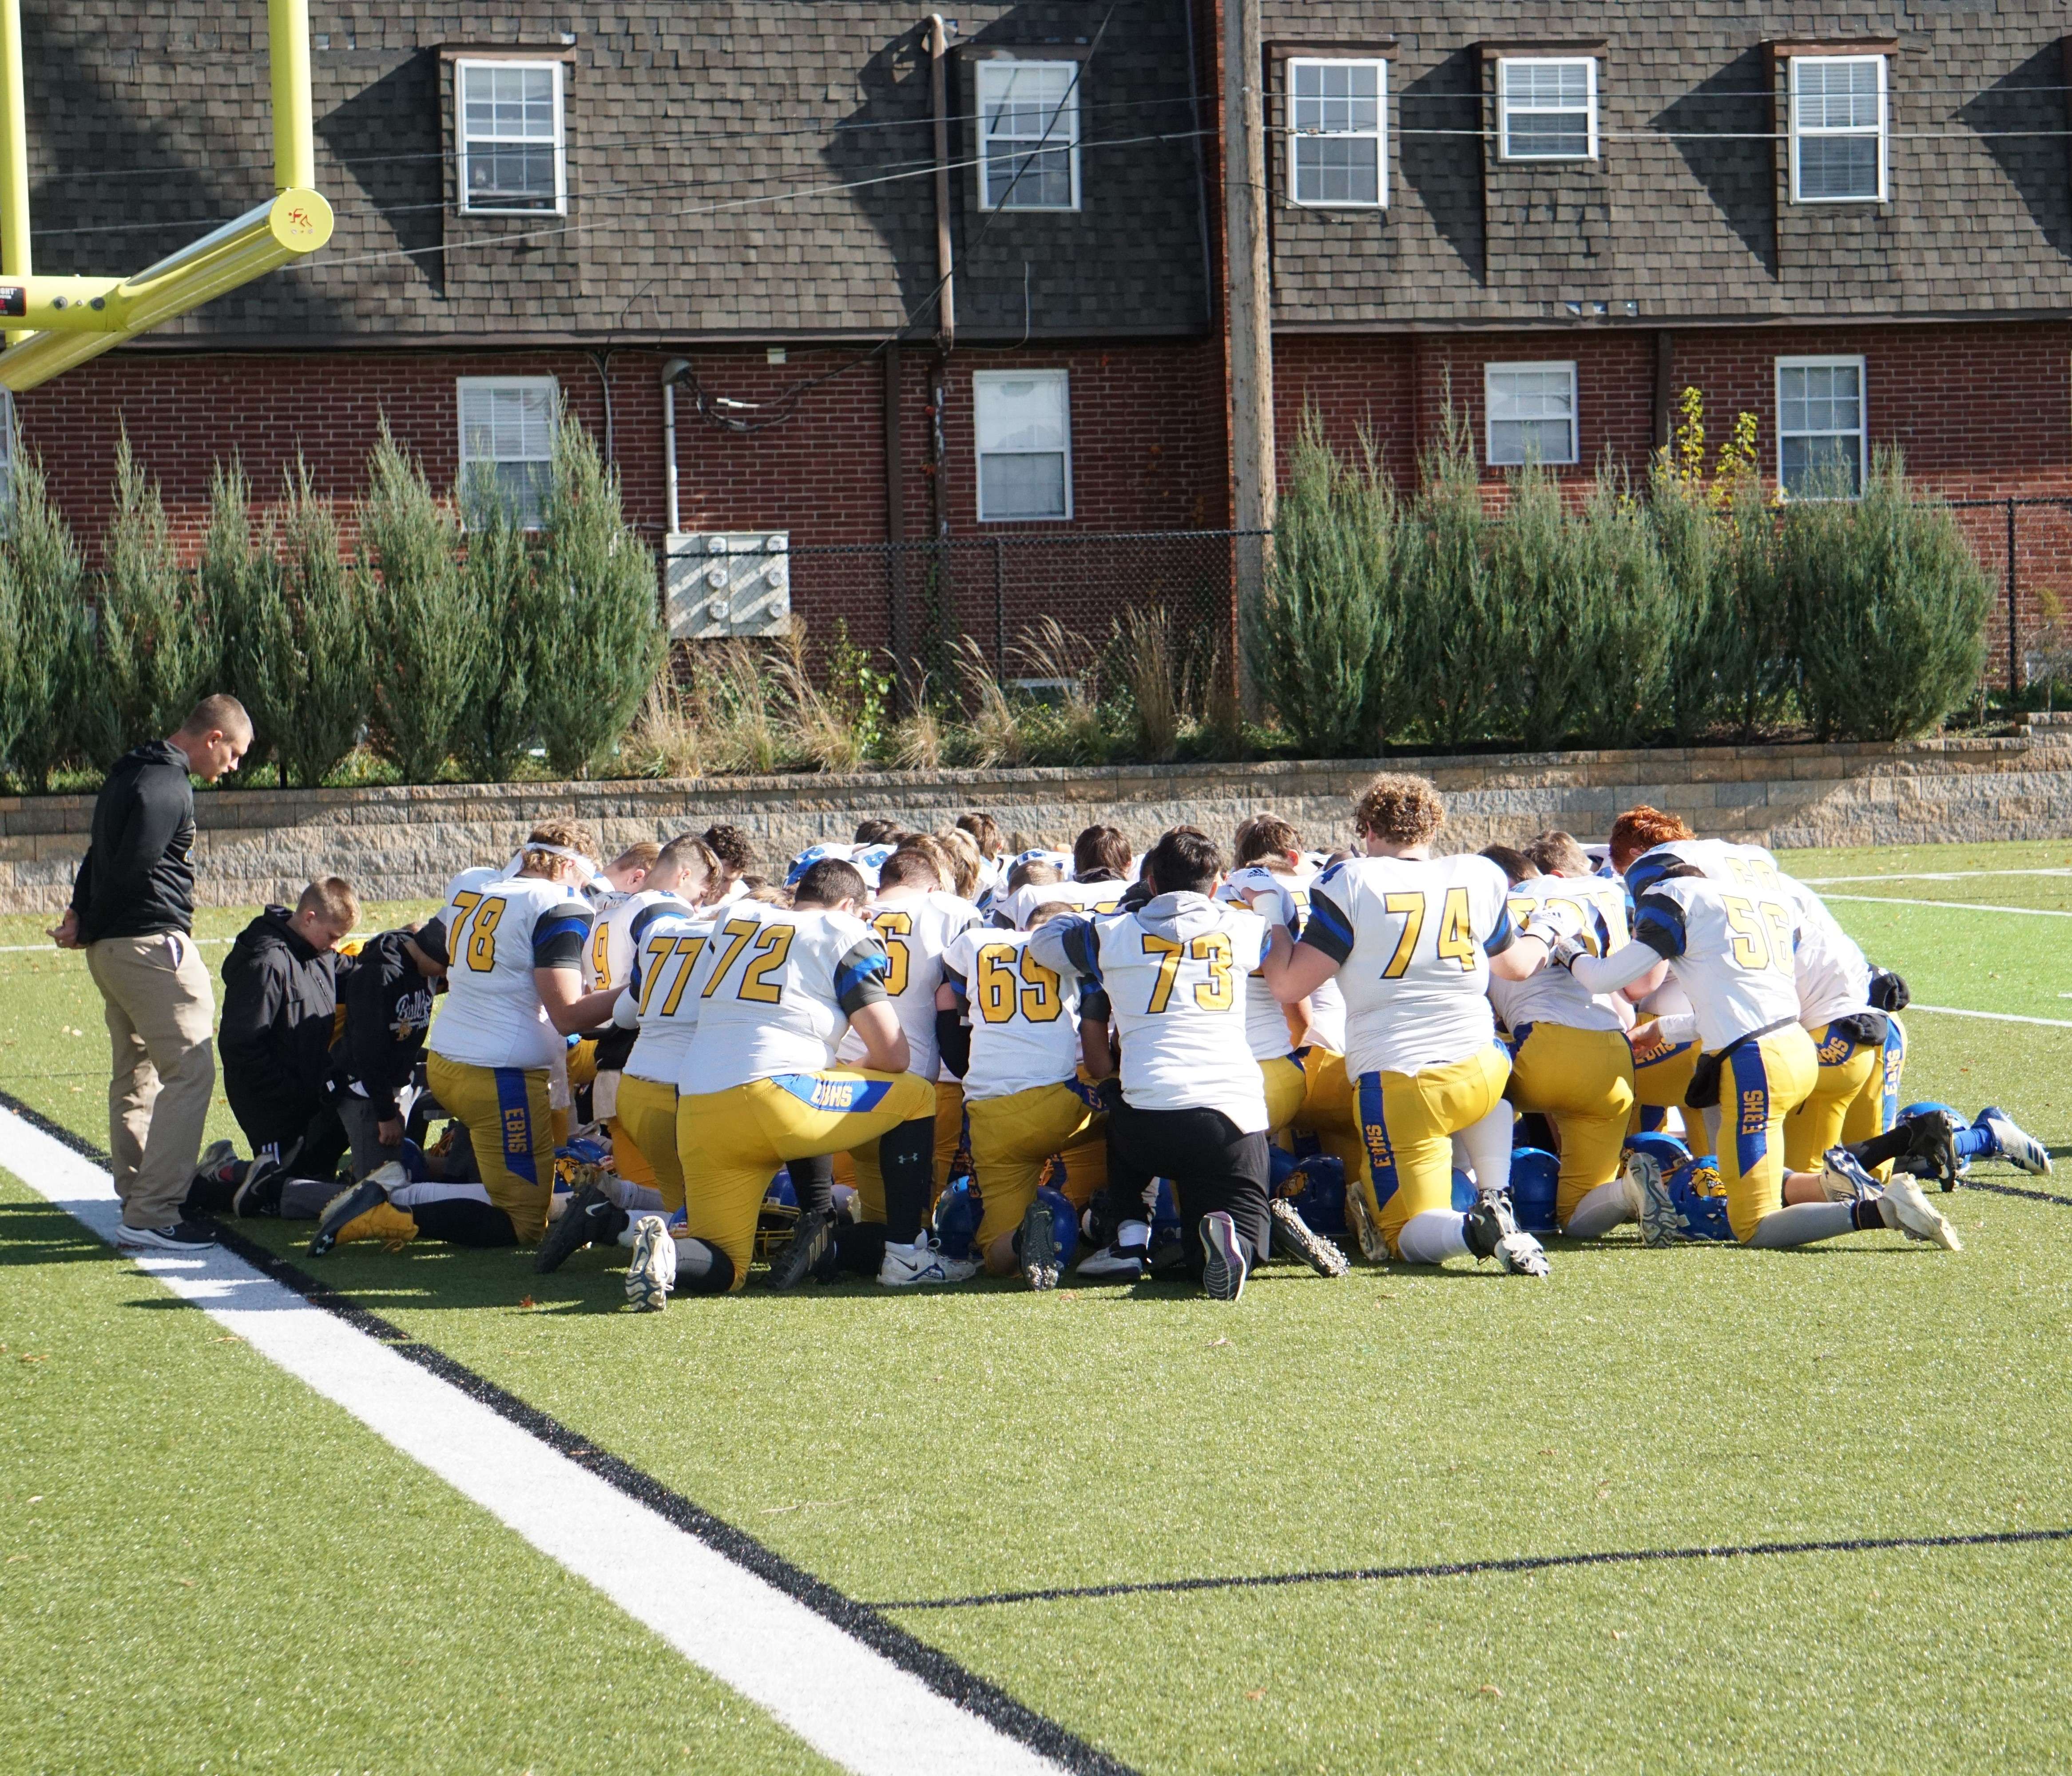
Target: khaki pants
160 1009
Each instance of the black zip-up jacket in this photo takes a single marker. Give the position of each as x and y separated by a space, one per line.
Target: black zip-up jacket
279 996
138 876
388 1009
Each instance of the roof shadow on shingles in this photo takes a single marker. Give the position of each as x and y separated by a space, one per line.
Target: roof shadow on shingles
1722 128
894 85
2021 116
1440 154
387 138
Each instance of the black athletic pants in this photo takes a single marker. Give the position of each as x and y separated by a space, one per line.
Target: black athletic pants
1211 1163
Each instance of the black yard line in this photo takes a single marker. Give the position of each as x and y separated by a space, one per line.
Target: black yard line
862 1622
1457 1569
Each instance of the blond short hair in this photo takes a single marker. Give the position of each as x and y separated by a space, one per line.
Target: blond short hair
1558 853
333 901
1401 810
640 856
966 864
569 835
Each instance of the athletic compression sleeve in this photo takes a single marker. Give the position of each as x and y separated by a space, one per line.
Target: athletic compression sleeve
1601 974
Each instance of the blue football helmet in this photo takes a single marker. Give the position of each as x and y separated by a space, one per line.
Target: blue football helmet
1534 1172
1700 1199
1316 1186
959 1210
1064 1225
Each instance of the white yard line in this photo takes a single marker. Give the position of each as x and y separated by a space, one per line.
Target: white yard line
1933 875
1957 905
843 1697
1997 1017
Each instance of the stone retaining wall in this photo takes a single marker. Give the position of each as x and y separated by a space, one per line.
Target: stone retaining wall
403 844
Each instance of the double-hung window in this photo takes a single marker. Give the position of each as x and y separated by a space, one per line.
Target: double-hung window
507 443
511 145
1338 133
1838 128
1025 444
1530 413
1822 432
1547 107
1029 128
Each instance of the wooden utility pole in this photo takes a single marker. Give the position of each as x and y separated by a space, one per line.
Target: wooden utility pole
1251 304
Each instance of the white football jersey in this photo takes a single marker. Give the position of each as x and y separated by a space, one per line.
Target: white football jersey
473 881
1730 947
496 936
1833 975
1722 860
667 938
1174 972
608 957
776 987
1265 1018
1014 909
1552 995
916 930
1412 940
1025 1017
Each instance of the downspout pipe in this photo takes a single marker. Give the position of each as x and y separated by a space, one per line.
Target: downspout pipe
939 84
14 253
671 371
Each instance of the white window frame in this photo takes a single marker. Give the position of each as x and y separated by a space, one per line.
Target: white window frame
462 386
1490 372
982 380
1504 65
1800 131
461 67
1379 135
999 70
1831 361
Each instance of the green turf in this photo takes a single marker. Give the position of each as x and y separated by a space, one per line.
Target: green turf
907 1448
204 1566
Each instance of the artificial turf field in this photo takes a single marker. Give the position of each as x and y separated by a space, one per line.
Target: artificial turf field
204 1564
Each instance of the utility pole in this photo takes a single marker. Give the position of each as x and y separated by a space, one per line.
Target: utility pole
1250 298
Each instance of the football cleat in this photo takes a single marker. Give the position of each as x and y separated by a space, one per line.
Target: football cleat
1294 1237
1648 1189
1933 1140
348 1207
2020 1149
1223 1258
1906 1210
591 1218
1122 1259
259 1190
652 1274
1039 1246
1843 1178
1360 1220
382 1220
923 1262
1493 1232
809 1252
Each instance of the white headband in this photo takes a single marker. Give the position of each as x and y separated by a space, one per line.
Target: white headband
589 868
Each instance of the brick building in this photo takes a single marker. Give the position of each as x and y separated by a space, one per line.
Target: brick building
1854 224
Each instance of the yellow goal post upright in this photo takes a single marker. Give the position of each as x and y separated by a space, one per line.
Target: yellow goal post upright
54 323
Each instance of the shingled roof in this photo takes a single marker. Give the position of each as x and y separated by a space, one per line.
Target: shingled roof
756 168
1685 213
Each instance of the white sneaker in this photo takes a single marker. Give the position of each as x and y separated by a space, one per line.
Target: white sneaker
923 1262
1907 1209
652 1274
2019 1148
1123 1260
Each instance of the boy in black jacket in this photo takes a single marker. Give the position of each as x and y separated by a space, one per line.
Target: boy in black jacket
280 993
387 998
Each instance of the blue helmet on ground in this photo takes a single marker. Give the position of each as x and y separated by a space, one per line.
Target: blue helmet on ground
1464 1191
1064 1223
1316 1184
959 1210
1700 1198
1924 1107
1535 1174
1666 1151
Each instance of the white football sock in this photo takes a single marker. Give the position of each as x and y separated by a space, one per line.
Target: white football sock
1597 1213
1711 1119
1432 1236
1803 1222
1487 1146
410 1196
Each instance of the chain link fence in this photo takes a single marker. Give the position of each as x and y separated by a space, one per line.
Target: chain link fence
2026 544
926 600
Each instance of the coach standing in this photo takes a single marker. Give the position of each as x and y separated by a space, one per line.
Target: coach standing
132 913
